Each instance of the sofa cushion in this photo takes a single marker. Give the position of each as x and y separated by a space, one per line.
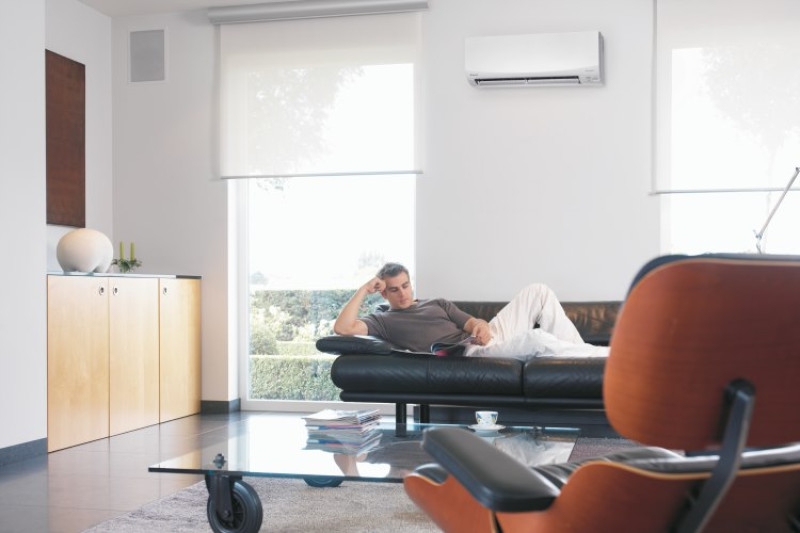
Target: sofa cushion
594 320
426 374
564 377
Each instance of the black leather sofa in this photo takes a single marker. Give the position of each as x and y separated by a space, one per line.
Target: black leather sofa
370 370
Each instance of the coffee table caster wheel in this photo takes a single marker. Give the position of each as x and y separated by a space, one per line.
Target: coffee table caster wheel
247 512
322 481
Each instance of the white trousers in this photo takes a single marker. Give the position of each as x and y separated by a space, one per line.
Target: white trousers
513 333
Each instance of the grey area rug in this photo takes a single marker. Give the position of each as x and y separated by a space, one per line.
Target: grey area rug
292 506
289 506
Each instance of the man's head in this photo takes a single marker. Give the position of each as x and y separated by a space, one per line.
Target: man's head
398 291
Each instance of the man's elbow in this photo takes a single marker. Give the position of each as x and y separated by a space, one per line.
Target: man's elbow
341 329
348 329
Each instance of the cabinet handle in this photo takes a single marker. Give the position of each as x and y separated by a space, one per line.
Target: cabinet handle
116 290
164 290
101 290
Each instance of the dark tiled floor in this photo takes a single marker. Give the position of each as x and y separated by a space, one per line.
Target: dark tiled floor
70 490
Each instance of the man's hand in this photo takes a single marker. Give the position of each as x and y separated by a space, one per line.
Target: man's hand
375 285
482 333
479 329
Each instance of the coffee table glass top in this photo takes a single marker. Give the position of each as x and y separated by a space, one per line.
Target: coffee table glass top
280 447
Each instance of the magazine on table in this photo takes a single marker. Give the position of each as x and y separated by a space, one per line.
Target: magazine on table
338 418
350 433
343 431
348 444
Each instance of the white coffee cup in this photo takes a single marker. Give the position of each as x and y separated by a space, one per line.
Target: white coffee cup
486 418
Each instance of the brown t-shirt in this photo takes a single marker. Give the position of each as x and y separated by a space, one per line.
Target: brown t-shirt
420 325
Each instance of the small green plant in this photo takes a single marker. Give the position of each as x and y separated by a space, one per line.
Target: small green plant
126 265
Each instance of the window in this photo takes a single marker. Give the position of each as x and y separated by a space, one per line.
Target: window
308 254
319 125
727 132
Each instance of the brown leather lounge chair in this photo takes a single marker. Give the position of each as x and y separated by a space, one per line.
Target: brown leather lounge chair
705 357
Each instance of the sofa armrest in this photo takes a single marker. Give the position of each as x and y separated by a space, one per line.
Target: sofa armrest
353 344
494 478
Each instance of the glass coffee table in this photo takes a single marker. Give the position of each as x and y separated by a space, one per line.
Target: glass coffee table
279 447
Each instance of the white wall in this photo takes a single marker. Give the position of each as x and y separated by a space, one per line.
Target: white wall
83 35
23 316
166 196
27 28
545 184
536 184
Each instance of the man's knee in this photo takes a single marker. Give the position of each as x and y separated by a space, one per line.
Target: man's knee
538 290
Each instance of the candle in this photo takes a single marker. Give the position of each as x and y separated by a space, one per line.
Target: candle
121 251
132 254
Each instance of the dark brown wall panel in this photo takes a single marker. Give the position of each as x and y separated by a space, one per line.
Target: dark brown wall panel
66 141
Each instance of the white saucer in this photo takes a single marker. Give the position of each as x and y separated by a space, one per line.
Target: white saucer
485 428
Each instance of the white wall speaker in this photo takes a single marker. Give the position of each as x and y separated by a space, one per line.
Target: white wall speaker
147 55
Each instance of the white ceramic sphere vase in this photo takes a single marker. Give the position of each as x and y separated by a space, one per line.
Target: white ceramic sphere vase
84 250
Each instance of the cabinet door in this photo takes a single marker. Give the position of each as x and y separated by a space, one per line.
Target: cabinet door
77 360
133 353
180 347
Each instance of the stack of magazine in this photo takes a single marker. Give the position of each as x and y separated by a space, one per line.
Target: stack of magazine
349 432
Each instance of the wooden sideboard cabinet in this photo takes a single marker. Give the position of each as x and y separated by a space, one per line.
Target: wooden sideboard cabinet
133 353
122 353
179 300
77 360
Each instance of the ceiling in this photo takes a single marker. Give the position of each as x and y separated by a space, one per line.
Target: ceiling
124 8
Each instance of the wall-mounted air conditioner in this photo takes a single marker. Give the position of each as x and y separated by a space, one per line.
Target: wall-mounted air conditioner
574 58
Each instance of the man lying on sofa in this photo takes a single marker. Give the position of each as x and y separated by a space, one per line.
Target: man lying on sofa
416 325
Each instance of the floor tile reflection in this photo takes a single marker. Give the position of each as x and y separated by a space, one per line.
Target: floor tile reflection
71 490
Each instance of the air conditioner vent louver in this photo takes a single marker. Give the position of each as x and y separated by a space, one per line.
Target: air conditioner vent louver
557 80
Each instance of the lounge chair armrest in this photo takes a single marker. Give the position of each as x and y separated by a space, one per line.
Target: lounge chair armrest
494 478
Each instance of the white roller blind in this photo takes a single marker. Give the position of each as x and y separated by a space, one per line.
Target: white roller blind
727 94
333 96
